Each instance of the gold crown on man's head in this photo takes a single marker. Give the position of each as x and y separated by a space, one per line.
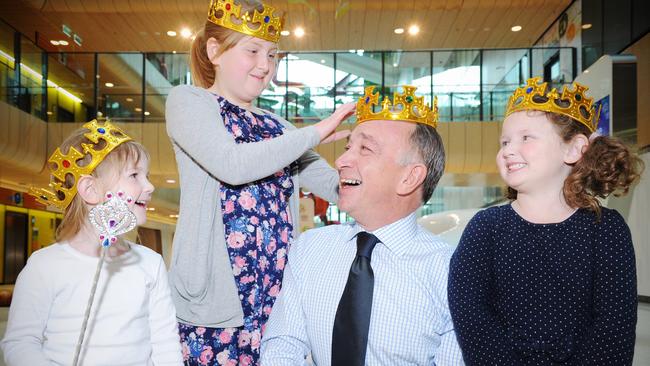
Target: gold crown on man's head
60 196
412 109
222 12
571 103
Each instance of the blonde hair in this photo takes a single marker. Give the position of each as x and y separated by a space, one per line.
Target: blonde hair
201 67
76 214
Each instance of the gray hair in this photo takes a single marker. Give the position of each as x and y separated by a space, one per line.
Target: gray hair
427 147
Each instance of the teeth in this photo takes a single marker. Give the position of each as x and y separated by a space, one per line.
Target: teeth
351 182
516 166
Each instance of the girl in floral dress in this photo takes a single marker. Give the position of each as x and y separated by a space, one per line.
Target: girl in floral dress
239 169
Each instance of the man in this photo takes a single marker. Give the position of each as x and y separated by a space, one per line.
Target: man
373 292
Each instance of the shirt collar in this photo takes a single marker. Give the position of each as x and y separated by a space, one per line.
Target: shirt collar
396 236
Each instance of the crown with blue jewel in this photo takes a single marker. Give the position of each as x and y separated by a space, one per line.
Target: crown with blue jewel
265 25
405 107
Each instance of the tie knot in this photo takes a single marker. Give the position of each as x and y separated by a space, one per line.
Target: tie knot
365 244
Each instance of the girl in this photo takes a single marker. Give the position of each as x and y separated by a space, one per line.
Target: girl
132 320
239 172
550 278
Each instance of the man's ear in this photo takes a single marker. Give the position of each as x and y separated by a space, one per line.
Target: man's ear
414 175
88 189
576 148
212 48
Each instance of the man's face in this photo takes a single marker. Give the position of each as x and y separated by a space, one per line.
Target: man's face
370 170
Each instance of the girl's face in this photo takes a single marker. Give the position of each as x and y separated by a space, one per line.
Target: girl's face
533 157
245 70
133 180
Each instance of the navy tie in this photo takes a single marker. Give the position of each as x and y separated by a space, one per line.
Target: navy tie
350 336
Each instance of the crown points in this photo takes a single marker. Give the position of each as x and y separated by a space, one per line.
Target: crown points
571 103
412 108
264 25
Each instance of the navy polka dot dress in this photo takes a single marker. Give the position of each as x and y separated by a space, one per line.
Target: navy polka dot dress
544 294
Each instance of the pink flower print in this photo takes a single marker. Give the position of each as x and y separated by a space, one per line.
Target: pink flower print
236 239
223 357
247 279
272 221
236 130
263 263
230 206
231 363
246 200
255 339
200 330
245 360
283 215
225 337
266 280
186 351
244 339
206 356
251 298
254 220
282 252
271 246
240 262
284 235
267 310
280 263
273 292
262 210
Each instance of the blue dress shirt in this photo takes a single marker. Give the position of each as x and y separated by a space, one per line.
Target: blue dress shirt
410 322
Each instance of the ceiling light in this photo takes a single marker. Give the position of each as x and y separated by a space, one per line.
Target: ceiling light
174 52
285 33
395 64
322 61
586 26
171 181
63 42
516 28
138 109
109 85
186 33
398 30
129 99
49 113
146 113
56 43
299 32
151 209
171 33
99 113
414 29
173 216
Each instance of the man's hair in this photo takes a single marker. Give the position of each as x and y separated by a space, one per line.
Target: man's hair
427 147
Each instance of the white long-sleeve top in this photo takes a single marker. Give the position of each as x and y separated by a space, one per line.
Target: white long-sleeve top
132 322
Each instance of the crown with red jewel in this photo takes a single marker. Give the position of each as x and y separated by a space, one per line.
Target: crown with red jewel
267 27
66 164
412 108
571 103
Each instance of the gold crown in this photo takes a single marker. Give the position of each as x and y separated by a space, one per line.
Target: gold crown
59 195
579 107
222 11
413 108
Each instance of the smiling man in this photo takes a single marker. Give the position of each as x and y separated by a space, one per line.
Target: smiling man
372 292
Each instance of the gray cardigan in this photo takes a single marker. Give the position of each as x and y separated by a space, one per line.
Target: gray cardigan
201 279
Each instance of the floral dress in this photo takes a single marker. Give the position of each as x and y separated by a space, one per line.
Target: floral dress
257 227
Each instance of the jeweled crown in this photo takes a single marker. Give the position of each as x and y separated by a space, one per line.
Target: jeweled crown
222 13
412 108
60 196
572 103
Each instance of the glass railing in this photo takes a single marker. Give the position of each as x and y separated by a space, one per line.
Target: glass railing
470 85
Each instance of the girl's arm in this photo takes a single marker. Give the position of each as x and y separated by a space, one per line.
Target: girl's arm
194 124
165 342
28 315
318 177
482 337
611 338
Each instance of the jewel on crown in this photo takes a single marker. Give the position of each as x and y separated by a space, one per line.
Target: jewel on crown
412 109
66 164
572 103
222 12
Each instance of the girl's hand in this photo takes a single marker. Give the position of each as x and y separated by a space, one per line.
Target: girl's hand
327 127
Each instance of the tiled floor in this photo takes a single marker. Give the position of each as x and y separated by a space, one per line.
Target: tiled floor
641 354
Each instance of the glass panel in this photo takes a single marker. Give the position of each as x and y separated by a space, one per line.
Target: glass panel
354 71
456 82
70 93
273 97
120 77
408 68
163 71
502 72
31 78
7 82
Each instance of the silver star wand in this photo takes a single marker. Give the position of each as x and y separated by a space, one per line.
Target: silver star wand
111 218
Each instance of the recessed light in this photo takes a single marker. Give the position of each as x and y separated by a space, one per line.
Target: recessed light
63 42
49 113
54 42
414 29
109 85
516 28
586 26
174 52
299 32
395 64
322 61
173 216
186 33
171 33
146 113
398 30
129 99
151 209
137 109
586 71
99 113
285 33
171 181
